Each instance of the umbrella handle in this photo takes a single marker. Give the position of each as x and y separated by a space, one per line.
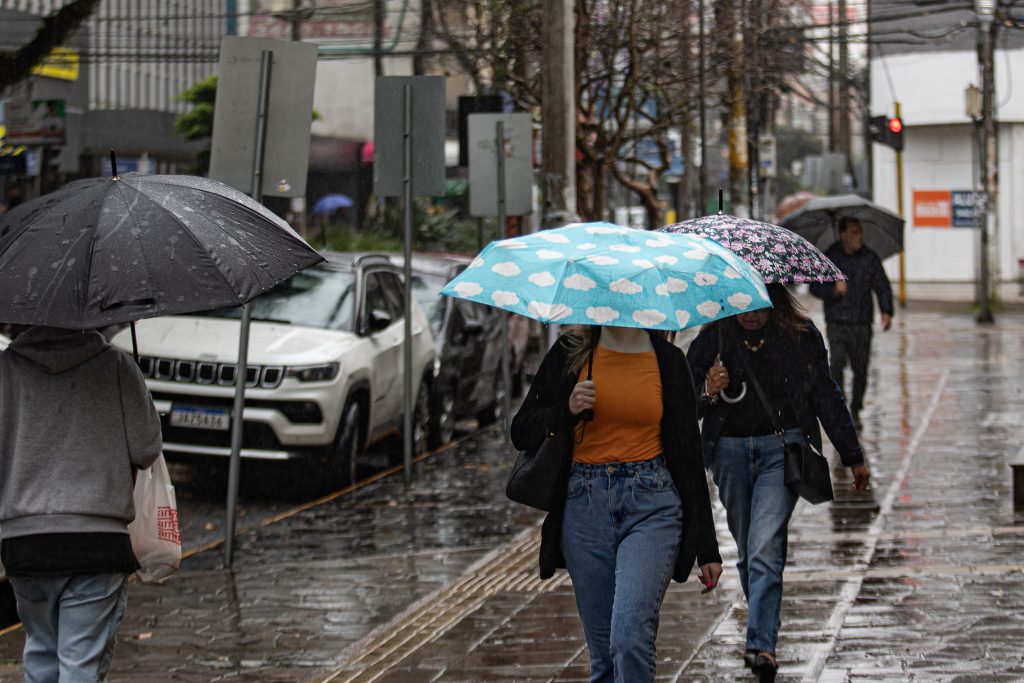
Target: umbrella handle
588 414
135 344
734 399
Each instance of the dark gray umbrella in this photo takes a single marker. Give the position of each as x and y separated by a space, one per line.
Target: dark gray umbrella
111 250
817 221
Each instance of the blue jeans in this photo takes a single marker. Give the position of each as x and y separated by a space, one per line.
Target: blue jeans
750 475
620 537
70 623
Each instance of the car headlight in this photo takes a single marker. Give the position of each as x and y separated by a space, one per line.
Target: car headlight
314 373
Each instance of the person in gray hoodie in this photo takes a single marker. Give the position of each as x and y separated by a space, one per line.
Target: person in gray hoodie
75 419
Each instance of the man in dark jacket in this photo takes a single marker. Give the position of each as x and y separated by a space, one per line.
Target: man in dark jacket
849 308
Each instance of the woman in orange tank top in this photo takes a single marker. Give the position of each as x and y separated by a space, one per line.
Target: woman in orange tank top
633 510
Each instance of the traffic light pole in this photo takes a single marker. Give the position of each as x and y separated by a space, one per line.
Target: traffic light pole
902 292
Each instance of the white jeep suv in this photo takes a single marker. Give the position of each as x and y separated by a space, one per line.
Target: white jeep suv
324 369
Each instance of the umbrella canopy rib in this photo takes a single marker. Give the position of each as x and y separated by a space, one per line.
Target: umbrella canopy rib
205 248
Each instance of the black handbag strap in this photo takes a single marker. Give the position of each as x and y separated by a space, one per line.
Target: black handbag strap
779 431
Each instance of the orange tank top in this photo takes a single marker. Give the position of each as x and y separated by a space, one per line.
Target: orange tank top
627 409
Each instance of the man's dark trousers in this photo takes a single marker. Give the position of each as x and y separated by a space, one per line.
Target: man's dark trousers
850 342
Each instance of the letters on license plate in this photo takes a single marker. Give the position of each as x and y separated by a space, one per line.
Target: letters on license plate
200 418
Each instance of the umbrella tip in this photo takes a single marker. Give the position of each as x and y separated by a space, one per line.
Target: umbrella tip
721 203
113 164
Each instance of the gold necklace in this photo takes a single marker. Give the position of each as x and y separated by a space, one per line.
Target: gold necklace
754 348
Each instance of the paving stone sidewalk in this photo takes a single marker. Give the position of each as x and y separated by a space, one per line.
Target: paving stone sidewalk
919 579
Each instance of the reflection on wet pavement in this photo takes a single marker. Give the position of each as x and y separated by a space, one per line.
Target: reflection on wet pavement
918 579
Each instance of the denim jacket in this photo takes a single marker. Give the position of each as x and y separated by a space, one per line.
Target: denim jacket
546 410
814 395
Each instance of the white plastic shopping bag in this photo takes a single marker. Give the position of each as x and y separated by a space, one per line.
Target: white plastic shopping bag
156 540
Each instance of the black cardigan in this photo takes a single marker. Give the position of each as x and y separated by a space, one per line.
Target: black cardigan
803 363
546 410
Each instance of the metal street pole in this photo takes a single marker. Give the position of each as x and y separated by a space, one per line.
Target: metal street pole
506 364
407 342
241 370
902 292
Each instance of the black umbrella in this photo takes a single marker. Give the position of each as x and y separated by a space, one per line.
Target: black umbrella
104 251
817 221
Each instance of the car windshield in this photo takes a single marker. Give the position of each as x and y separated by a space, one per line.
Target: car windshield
316 297
427 291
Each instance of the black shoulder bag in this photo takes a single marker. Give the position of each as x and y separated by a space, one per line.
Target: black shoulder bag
535 474
807 472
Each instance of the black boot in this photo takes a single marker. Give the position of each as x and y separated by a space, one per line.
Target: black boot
765 667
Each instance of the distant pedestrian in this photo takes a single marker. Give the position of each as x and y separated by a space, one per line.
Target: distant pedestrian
75 418
783 349
850 310
632 508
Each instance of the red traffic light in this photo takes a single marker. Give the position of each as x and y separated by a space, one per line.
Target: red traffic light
895 125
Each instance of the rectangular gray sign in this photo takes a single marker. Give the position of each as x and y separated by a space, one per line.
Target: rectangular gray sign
427 129
289 115
483 164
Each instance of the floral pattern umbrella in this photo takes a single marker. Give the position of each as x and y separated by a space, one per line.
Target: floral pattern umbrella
780 255
604 274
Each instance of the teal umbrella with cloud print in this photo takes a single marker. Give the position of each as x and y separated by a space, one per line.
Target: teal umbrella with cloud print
605 274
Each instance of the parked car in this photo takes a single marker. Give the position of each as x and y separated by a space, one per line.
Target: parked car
467 337
324 375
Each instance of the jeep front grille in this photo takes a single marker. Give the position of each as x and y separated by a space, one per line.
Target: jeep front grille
205 372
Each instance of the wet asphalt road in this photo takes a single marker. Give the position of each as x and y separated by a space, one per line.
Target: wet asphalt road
919 579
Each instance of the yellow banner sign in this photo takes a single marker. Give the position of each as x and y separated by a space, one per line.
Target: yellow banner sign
61 63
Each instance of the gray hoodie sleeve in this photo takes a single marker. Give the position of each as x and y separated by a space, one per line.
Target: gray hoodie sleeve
141 421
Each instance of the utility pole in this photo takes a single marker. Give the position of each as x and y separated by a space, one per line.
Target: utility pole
296 19
738 145
831 79
703 185
844 87
423 42
378 37
558 115
869 154
988 161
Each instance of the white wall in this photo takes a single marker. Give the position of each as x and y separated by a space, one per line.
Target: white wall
938 155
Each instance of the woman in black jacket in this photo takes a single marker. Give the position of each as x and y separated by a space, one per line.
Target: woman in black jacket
631 509
784 350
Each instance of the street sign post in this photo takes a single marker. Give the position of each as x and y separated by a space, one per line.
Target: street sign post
409 109
483 165
289 114
501 184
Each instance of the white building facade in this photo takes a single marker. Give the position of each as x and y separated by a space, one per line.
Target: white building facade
940 159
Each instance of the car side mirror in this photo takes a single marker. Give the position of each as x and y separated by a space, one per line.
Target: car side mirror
378 320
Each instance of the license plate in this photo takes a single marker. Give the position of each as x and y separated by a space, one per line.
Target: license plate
200 418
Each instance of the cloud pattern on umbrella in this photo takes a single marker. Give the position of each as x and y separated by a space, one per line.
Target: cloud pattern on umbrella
604 274
780 255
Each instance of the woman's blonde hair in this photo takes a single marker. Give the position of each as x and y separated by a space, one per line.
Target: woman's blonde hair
578 341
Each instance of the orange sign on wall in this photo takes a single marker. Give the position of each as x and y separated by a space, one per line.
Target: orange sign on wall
933 209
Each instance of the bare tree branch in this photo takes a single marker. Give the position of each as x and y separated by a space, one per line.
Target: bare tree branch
17 65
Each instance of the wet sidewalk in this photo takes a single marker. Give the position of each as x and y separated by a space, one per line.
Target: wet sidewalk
919 579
